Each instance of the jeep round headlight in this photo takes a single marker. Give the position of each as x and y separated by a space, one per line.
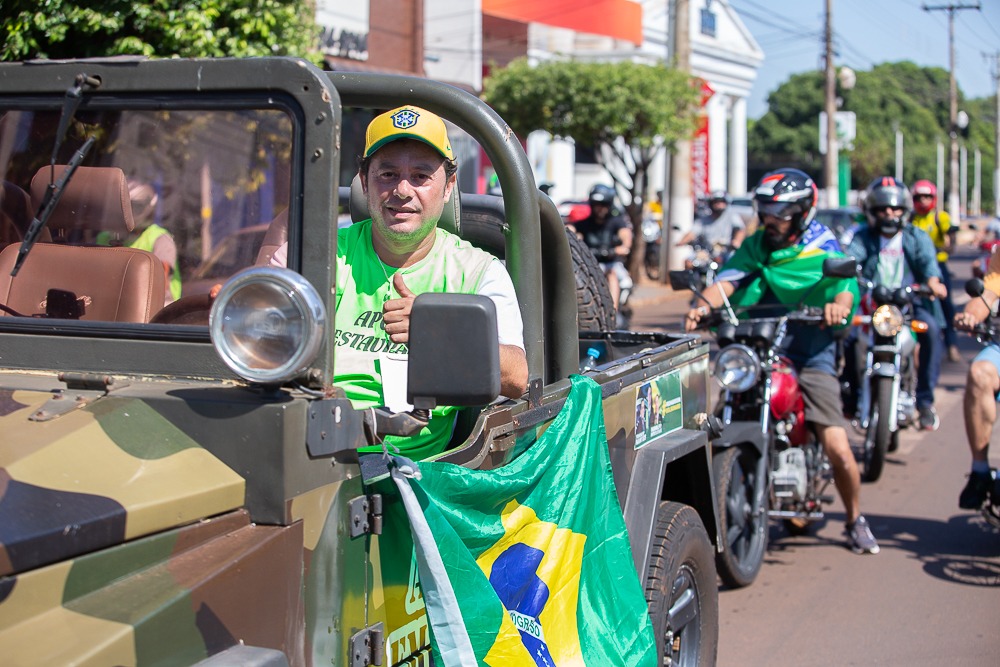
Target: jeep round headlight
887 320
737 368
267 324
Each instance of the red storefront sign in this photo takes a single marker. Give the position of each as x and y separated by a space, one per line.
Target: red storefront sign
699 159
699 147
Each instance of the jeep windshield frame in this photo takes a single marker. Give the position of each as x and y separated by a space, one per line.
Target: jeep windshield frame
314 99
293 88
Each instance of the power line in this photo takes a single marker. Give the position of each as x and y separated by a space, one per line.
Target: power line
986 18
766 10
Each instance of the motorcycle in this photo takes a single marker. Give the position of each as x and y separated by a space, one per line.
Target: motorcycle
706 263
766 462
987 333
606 256
981 263
887 399
651 235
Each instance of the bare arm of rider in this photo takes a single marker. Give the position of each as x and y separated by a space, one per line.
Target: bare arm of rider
975 311
625 234
715 294
940 291
838 310
738 235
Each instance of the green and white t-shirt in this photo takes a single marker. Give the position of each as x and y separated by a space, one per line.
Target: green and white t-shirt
364 284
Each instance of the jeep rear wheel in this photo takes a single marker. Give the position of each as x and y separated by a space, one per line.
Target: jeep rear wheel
681 588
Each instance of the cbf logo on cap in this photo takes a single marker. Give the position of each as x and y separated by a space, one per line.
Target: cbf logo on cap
408 123
405 119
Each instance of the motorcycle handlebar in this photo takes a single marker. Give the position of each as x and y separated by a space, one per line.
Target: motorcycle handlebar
805 316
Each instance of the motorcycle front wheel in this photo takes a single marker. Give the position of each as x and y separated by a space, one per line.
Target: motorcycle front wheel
878 437
740 497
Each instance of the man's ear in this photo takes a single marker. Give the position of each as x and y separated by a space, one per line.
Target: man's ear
449 186
364 182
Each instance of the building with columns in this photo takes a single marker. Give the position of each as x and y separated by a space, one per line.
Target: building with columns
458 41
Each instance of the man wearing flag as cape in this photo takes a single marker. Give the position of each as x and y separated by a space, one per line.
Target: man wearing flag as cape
781 265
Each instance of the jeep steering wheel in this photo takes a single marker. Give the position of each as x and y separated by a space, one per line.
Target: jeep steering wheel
186 310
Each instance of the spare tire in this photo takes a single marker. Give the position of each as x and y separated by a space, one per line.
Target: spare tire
593 297
596 310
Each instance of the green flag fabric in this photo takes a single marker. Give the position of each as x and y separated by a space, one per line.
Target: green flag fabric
790 273
530 564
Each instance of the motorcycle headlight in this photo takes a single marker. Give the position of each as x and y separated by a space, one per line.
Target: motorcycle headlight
737 368
268 324
887 320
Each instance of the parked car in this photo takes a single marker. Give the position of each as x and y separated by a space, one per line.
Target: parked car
573 211
841 221
744 207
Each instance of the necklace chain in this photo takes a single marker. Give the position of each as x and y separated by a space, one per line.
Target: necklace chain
386 274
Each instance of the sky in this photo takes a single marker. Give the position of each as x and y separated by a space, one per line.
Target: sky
869 32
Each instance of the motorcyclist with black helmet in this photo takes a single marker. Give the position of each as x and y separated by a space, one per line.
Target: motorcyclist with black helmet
609 236
720 227
894 254
781 265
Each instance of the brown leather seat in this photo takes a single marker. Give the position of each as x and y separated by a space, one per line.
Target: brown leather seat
113 284
277 234
95 200
15 214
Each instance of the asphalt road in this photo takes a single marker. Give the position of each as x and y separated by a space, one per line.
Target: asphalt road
931 597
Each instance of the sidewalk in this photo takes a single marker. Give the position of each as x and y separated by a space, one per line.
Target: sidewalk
647 292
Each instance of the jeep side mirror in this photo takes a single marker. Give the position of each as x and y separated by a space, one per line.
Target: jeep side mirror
454 351
974 287
840 267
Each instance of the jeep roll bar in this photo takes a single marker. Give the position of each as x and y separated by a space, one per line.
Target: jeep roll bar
522 213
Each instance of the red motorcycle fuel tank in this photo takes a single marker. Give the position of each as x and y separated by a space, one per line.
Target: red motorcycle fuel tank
786 399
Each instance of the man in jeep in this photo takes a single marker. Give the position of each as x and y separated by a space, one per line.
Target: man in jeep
408 173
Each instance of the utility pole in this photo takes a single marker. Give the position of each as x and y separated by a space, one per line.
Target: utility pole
830 161
996 136
977 165
939 175
899 150
953 199
963 178
681 208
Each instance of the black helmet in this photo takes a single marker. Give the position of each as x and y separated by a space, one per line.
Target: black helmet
883 192
787 193
602 194
718 195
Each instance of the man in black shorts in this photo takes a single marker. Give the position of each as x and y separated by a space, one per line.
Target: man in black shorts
781 265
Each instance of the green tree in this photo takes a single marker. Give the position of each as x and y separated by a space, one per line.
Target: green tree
899 95
162 28
626 111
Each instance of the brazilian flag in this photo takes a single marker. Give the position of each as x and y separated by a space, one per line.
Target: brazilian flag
530 564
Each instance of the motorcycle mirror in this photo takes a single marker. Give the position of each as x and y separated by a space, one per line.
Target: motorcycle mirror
840 267
975 287
682 280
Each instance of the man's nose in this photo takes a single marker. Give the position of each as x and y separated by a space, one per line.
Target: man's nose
404 188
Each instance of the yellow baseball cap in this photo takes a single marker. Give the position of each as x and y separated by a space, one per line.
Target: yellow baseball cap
408 123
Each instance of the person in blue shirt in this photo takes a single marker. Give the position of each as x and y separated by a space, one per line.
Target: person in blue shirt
895 254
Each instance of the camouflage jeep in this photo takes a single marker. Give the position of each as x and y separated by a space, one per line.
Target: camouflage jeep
173 492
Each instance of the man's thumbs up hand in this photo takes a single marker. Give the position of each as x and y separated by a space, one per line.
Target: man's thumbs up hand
396 312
